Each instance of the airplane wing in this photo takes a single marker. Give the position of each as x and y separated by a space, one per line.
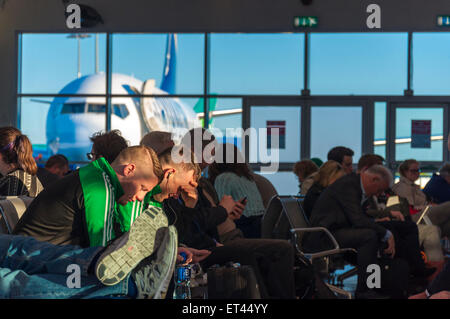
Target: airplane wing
212 114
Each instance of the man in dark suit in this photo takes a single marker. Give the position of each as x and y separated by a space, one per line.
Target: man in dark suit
340 210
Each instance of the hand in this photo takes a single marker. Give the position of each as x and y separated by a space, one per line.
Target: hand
396 215
228 203
189 194
390 250
218 244
193 255
237 211
384 219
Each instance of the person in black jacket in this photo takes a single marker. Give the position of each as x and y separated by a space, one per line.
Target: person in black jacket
340 210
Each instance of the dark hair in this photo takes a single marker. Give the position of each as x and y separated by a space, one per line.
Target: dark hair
220 165
57 160
369 160
166 158
305 168
16 149
337 153
109 144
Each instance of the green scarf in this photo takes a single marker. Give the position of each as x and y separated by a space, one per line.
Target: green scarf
101 189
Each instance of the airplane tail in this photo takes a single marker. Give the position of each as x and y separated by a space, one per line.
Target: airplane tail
169 74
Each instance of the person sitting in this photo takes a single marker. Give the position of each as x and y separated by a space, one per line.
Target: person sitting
340 210
56 167
406 232
32 269
230 175
439 214
107 145
17 165
198 220
80 209
344 156
328 173
438 187
305 171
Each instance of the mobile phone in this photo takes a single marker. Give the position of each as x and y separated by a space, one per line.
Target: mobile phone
244 200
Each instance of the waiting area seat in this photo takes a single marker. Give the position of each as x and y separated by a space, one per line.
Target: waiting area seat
11 210
285 219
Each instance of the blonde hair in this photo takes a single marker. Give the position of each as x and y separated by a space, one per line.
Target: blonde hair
143 156
327 172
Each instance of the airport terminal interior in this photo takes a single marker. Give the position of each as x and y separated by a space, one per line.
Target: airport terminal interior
335 113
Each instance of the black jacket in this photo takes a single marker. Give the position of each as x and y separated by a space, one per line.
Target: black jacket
311 198
339 206
197 227
57 214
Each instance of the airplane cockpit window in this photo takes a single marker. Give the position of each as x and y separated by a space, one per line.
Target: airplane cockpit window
96 108
70 108
120 110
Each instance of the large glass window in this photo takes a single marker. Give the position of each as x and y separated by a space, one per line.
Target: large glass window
336 126
430 63
54 63
256 63
143 57
358 63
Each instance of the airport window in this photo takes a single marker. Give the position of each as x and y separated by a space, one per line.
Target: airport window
364 64
336 126
142 57
226 113
120 110
54 63
379 142
430 63
256 63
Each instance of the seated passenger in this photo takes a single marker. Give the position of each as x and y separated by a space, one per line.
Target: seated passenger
328 173
107 145
439 214
31 269
56 167
231 176
197 219
342 155
438 187
305 171
80 209
340 210
17 165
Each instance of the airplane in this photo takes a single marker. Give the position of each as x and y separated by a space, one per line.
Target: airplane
72 120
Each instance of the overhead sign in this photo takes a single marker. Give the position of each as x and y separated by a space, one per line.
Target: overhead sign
306 22
420 133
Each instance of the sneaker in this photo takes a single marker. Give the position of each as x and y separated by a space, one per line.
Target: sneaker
153 275
128 250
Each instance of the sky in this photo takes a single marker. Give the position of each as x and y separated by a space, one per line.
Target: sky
265 64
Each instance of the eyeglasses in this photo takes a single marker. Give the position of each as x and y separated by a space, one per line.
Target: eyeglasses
91 156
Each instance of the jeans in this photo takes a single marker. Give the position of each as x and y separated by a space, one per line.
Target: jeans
33 269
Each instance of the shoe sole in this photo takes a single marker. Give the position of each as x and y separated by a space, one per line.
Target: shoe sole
161 290
140 244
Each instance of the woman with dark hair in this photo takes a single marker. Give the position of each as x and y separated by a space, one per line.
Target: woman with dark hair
231 175
17 165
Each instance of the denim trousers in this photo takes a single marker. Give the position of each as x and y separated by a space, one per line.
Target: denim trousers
31 269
